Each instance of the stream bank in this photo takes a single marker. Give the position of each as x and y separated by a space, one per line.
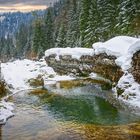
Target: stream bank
66 111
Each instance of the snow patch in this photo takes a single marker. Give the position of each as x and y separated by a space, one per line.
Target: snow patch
6 111
116 46
73 52
98 77
57 78
131 90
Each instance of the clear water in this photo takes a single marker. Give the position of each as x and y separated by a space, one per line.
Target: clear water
74 113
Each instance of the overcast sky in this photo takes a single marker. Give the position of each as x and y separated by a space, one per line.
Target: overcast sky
23 5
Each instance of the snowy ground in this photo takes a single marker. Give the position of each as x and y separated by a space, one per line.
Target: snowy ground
17 73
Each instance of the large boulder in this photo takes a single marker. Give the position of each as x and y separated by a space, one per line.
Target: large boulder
102 64
3 89
136 66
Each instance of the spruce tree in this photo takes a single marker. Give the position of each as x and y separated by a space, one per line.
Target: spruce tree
49 27
73 31
61 38
38 38
93 27
84 21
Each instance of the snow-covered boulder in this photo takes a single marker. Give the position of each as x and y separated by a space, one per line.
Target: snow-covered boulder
123 47
117 59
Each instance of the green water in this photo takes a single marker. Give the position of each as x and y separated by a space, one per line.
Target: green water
67 114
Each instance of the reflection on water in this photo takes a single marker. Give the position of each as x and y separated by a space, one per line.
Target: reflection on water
68 114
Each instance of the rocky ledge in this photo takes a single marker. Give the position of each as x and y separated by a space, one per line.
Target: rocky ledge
102 64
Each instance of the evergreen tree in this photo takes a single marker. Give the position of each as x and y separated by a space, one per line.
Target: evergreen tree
84 22
108 17
94 22
129 17
49 25
38 38
21 39
73 31
61 39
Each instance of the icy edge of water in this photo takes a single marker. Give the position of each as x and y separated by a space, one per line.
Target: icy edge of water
6 111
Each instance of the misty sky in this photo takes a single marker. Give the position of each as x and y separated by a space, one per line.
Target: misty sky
23 5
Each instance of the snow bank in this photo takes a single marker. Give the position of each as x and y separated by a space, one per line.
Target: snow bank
116 46
17 73
6 109
74 52
125 60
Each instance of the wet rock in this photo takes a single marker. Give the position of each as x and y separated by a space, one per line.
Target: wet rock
39 91
119 91
36 82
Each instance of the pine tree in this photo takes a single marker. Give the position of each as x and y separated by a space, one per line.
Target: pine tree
129 17
49 27
21 39
73 31
108 17
38 38
93 27
136 20
84 21
61 39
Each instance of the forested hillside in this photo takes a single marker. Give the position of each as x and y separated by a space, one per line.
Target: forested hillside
73 23
11 25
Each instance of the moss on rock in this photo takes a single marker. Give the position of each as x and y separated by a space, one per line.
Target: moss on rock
36 82
3 89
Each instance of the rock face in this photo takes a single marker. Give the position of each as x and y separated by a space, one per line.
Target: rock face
101 64
2 88
136 66
2 84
